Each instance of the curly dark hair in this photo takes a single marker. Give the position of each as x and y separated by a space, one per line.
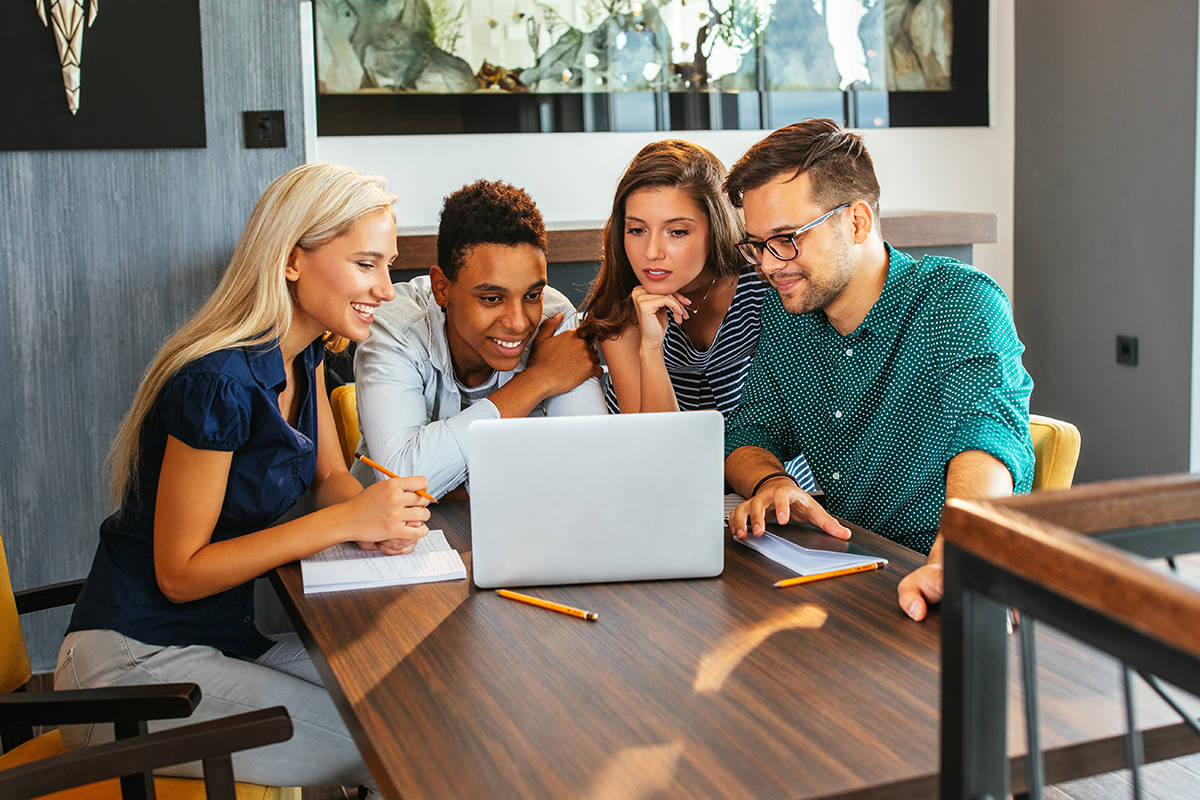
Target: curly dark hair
486 212
838 165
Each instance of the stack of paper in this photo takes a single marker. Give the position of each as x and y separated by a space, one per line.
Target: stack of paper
348 566
802 560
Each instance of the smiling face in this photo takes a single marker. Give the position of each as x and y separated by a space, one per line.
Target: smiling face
493 307
825 262
337 286
666 240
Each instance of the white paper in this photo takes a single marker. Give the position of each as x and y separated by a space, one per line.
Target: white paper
801 560
347 566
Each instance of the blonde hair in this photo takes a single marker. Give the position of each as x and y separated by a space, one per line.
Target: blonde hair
306 207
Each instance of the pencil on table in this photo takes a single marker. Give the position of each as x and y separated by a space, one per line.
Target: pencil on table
390 474
820 576
590 616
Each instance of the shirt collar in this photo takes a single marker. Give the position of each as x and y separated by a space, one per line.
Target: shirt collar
266 362
880 319
439 344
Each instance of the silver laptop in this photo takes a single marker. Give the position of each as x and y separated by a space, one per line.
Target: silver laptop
625 497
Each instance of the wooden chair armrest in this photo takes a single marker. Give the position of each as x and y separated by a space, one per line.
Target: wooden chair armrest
51 596
118 704
204 740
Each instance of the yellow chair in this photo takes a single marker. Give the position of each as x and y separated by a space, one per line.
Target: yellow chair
345 418
45 764
1055 451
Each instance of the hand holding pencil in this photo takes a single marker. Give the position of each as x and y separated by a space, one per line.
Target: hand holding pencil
381 468
393 514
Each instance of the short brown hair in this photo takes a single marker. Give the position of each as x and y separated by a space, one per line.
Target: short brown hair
837 163
677 164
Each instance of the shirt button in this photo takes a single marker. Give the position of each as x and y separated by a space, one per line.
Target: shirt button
837 414
295 469
837 476
246 620
849 351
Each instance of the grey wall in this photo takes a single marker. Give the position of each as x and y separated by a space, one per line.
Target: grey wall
103 253
1105 148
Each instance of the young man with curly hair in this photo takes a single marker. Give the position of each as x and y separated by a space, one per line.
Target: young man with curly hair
481 337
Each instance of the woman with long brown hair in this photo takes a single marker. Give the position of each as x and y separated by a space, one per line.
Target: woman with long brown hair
675 308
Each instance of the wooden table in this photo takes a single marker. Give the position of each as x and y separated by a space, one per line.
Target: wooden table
707 688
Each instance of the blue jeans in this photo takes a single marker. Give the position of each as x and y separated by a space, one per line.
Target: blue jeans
320 751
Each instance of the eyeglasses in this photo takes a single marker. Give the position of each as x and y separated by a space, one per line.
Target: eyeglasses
782 246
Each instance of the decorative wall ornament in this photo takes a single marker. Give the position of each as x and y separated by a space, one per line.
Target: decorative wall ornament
66 18
142 67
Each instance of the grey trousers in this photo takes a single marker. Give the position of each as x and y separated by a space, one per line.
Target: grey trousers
320 751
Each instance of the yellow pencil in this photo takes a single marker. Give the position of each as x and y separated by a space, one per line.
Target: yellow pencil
390 474
590 616
820 576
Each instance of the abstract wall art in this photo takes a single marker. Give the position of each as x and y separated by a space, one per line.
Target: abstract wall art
646 64
101 74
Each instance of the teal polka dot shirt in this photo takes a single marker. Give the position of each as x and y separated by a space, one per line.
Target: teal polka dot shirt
934 370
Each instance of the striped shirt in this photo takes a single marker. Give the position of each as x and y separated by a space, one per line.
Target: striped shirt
713 378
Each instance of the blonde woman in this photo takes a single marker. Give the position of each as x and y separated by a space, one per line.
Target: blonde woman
230 425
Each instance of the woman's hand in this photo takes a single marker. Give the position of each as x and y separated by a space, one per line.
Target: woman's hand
390 516
652 313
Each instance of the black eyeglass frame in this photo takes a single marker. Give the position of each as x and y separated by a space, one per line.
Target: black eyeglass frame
752 250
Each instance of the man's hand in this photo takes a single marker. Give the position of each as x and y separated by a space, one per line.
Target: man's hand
789 502
920 588
563 361
971 473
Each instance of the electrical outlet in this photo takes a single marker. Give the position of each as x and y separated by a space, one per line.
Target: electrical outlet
1127 350
264 129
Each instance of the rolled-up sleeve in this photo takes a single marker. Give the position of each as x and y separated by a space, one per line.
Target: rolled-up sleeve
985 387
395 419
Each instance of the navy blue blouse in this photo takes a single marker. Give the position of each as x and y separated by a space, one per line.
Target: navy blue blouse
228 400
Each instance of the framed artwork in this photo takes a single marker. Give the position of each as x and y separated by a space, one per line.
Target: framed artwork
93 74
464 66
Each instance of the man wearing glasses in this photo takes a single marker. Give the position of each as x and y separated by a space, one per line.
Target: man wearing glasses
901 380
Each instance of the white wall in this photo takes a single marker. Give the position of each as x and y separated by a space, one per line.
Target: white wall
572 175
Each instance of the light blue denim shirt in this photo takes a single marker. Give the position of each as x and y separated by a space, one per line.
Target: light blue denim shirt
409 407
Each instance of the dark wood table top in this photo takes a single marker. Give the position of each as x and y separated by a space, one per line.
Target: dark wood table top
722 687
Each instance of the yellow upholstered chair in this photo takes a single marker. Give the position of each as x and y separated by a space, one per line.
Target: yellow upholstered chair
1055 450
35 766
345 418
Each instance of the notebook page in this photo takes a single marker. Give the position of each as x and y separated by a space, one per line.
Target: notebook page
347 566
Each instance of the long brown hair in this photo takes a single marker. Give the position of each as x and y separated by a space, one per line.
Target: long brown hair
671 163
